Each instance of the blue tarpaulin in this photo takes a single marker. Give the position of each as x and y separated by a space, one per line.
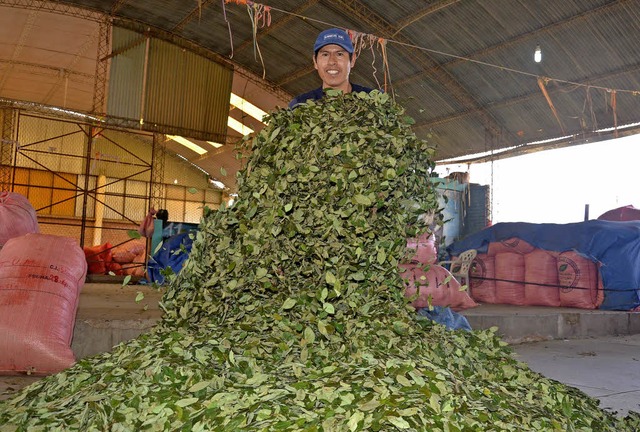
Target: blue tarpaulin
173 253
615 245
445 316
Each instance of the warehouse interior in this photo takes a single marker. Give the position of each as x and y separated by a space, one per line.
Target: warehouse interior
98 97
109 109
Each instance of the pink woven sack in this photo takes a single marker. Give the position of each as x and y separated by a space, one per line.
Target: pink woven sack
579 282
17 216
541 274
40 281
510 278
483 279
425 249
435 287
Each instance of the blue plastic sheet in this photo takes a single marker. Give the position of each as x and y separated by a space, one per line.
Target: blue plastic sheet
445 316
173 253
615 245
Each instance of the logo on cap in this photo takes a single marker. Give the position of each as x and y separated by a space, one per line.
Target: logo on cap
334 36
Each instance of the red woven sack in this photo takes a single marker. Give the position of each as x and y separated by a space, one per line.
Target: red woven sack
509 278
17 216
40 281
482 276
98 258
425 249
579 282
541 275
436 287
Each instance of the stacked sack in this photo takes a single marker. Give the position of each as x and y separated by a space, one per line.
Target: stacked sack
128 258
428 283
40 281
17 217
515 272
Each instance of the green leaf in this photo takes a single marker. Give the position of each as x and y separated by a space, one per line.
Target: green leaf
402 380
309 335
399 422
186 402
328 308
362 199
330 278
199 386
139 296
355 418
134 234
126 280
289 303
223 172
323 294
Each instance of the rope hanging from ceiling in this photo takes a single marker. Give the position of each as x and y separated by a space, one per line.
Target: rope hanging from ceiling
260 17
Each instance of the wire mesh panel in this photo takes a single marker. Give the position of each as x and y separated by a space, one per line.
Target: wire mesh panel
6 147
97 184
85 182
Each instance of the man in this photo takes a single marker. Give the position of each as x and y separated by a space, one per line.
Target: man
333 59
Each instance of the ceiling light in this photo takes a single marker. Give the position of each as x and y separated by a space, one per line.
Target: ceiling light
247 107
188 144
537 54
238 127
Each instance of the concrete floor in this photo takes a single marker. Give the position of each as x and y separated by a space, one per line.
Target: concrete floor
606 368
595 351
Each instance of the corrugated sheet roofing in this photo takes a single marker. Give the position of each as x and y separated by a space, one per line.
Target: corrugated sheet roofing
463 69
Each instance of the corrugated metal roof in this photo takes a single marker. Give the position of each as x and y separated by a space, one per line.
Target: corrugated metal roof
463 68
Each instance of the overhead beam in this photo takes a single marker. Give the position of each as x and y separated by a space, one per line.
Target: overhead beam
195 12
523 98
417 16
47 70
513 40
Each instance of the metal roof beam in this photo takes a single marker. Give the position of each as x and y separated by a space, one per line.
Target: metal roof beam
195 12
515 40
523 98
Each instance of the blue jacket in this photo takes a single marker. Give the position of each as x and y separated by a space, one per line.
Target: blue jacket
319 93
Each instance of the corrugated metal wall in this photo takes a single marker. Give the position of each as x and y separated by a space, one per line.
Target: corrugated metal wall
167 85
126 75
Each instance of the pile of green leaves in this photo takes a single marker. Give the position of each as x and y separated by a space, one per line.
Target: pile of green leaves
289 313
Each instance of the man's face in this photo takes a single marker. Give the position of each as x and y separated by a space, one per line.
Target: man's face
333 66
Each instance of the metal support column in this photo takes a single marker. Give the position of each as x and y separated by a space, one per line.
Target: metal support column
90 132
157 171
100 83
6 148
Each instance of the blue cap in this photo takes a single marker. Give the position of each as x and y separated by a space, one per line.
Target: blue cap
334 36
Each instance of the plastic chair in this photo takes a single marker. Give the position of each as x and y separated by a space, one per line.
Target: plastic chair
460 266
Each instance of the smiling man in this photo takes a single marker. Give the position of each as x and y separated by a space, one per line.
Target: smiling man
333 58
